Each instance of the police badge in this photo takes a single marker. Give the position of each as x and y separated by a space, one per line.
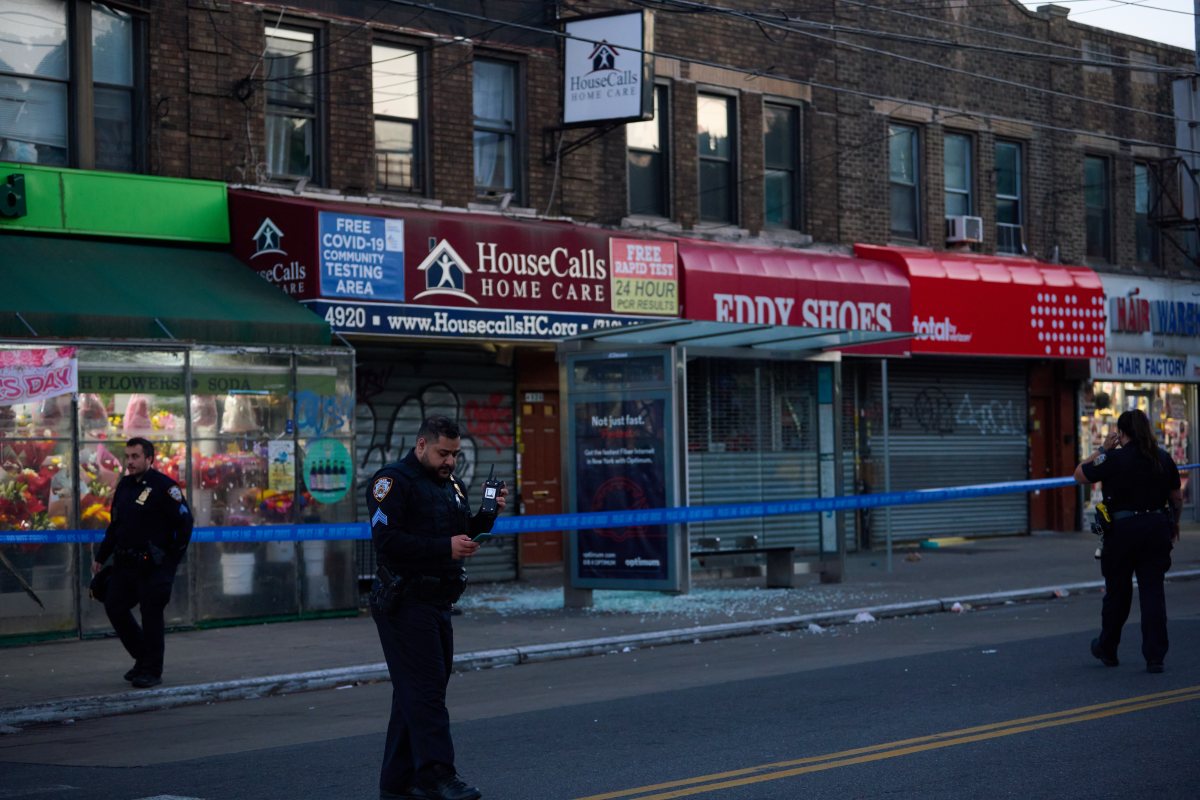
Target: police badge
380 489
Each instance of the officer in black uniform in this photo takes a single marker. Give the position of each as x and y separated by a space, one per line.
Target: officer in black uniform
1142 493
421 525
149 533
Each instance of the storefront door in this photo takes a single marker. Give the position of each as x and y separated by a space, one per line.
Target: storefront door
541 470
1040 444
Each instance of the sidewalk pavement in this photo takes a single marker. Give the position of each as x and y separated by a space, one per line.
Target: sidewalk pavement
524 621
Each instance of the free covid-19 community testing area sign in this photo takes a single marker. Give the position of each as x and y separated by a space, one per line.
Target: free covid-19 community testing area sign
361 257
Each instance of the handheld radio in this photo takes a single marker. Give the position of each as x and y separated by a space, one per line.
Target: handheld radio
491 490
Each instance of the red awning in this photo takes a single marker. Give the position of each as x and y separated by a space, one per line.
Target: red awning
756 285
969 304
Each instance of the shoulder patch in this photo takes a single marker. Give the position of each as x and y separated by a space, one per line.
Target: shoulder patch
176 494
380 488
1100 458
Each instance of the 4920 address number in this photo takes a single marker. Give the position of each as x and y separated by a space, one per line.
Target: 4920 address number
346 317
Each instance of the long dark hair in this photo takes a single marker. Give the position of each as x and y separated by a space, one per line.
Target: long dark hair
1136 426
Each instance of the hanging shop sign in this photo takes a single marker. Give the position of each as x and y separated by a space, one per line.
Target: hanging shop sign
1153 331
1033 309
430 274
37 374
608 69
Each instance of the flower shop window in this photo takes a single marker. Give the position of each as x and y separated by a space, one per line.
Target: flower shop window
243 446
36 593
127 393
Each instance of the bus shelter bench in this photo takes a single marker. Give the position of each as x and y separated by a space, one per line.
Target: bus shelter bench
780 568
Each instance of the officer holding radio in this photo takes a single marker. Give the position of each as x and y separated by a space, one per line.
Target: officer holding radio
423 529
149 533
1144 502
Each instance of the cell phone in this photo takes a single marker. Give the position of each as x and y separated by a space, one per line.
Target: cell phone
491 490
481 537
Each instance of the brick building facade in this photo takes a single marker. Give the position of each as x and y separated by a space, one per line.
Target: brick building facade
207 91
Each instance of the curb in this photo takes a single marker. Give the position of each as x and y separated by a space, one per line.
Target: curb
91 707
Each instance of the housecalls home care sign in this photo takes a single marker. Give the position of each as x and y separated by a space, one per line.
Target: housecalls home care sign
463 275
37 374
607 70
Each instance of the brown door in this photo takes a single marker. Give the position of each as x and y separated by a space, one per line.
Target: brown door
1040 444
541 468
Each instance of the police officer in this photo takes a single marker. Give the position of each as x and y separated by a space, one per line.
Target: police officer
149 533
1142 493
421 525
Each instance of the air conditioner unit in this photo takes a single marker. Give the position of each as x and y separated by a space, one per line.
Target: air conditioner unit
964 229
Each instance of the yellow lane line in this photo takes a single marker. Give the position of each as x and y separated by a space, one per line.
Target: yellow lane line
859 755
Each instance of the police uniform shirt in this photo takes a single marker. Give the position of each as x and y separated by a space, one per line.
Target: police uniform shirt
148 508
413 515
1130 482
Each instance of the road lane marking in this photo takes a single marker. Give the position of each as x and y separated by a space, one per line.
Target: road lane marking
878 752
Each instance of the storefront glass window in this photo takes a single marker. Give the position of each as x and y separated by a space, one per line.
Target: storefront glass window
254 438
1168 405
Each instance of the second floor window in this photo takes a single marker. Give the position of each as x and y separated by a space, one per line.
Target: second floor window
957 174
1145 234
781 145
1097 207
904 181
44 95
396 96
495 128
292 128
1009 237
715 147
648 161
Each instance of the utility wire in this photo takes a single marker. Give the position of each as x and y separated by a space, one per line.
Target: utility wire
759 73
930 64
875 7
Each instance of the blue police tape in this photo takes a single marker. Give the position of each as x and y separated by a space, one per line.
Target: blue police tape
512 526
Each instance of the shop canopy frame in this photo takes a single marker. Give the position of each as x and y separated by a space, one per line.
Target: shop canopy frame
700 337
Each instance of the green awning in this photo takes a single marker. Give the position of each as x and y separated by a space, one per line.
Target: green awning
66 288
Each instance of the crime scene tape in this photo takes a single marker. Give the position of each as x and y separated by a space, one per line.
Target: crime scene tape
590 520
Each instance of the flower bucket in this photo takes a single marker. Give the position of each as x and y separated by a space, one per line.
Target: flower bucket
237 573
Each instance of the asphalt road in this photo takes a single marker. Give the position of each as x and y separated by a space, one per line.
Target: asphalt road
994 703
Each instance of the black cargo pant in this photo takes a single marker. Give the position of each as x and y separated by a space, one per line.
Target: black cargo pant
418 644
1141 546
151 591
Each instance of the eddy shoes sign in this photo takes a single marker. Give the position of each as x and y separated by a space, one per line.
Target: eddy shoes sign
607 70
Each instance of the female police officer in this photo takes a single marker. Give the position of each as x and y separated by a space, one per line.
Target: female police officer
1141 490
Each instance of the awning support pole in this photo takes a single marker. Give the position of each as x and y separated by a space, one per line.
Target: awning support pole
887 462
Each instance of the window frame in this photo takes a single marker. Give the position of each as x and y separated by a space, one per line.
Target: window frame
1018 198
517 133
420 142
80 111
1143 224
1105 211
732 162
662 120
318 157
913 189
969 168
796 114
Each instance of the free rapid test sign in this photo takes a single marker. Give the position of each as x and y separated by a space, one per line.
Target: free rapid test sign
360 257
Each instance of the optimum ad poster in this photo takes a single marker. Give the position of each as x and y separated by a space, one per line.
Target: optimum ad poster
621 465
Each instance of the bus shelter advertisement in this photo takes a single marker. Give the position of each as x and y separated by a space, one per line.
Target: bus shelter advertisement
621 465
